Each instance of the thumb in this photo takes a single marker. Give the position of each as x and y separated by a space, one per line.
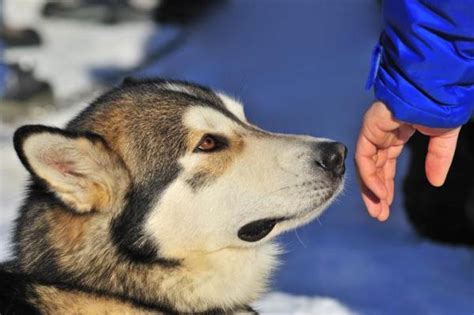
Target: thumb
440 156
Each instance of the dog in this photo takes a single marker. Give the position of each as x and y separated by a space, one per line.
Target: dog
159 197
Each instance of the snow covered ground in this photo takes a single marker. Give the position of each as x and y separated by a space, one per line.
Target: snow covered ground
346 264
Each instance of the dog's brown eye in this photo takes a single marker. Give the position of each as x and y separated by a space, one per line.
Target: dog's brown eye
210 143
207 144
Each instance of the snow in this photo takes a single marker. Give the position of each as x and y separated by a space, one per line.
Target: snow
69 73
278 302
346 263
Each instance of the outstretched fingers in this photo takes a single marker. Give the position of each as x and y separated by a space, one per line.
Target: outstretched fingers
440 155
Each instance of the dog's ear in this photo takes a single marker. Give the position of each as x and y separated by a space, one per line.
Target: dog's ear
78 167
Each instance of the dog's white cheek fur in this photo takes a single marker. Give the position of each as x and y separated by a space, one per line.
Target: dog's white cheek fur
214 274
261 183
182 222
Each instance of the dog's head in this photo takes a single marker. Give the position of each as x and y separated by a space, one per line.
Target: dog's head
179 168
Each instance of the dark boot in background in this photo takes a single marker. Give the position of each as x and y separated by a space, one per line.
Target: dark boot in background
22 93
100 11
12 37
444 214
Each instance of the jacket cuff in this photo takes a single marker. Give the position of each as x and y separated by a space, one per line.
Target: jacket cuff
438 116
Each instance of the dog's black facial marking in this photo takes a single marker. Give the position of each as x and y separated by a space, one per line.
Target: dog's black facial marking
257 230
127 228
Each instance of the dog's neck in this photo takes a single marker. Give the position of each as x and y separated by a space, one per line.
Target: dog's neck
86 258
226 278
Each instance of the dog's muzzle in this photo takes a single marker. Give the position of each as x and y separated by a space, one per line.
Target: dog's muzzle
330 157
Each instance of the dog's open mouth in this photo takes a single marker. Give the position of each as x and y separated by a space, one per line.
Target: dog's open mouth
256 230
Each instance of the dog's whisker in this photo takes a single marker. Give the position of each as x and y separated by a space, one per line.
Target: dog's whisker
299 239
280 189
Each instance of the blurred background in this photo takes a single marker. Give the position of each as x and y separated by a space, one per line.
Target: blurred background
299 66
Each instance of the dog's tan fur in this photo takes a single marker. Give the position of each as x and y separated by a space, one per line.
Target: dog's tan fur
50 300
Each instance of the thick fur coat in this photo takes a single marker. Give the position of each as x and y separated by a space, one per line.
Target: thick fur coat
160 197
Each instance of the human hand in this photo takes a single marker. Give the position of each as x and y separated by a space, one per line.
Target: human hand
381 141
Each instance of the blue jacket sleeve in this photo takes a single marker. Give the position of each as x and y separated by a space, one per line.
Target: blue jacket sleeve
425 73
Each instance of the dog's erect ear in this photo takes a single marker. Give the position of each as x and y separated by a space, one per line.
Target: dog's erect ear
79 167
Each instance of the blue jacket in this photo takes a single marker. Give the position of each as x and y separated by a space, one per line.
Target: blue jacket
423 67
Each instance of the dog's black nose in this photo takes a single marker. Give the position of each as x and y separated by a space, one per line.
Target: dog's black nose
330 156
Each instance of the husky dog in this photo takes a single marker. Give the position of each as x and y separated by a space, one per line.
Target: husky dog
160 197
